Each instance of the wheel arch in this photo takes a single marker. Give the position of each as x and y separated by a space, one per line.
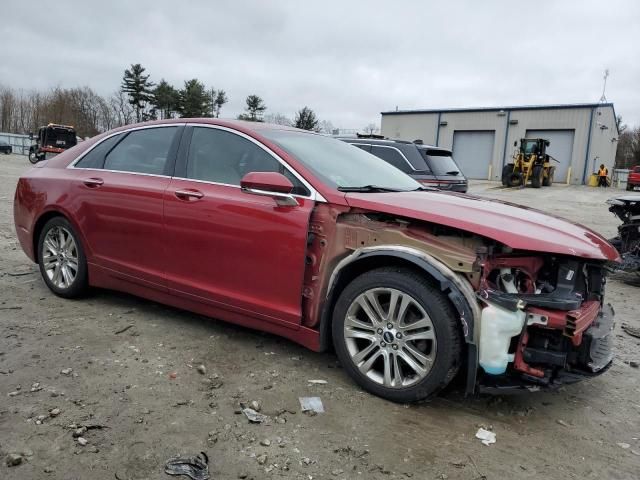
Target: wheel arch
43 219
459 293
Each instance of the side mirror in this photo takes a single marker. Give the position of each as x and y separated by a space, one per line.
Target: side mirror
270 184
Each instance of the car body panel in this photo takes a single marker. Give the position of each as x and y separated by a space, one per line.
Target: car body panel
224 247
519 228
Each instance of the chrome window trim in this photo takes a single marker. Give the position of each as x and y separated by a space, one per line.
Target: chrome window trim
385 146
133 129
314 194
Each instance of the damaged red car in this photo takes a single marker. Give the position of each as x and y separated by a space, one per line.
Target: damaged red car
306 237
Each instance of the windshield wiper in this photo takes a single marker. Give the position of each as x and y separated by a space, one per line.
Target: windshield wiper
368 189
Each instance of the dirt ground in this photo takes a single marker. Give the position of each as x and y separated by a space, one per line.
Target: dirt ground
143 400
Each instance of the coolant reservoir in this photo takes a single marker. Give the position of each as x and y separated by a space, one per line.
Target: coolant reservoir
497 326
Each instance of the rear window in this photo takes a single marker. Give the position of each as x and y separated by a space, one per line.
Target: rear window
441 162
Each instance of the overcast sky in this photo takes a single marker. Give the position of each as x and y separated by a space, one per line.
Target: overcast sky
348 60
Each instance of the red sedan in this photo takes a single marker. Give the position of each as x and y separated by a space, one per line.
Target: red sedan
304 236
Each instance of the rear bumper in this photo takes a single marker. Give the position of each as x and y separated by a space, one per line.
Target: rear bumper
548 357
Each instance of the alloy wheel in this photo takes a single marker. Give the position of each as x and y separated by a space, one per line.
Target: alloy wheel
390 337
60 257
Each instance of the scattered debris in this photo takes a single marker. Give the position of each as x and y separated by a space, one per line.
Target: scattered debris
634 364
14 393
123 329
253 416
262 459
14 459
633 331
201 369
623 445
82 441
317 382
311 404
173 375
486 436
54 412
20 274
196 467
256 405
66 371
562 422
10 308
265 443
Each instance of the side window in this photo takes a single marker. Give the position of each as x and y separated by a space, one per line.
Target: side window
392 156
142 151
95 157
224 157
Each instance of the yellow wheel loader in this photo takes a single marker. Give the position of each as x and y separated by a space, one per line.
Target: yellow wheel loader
531 165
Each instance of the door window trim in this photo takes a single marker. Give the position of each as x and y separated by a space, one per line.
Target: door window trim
385 146
126 132
314 194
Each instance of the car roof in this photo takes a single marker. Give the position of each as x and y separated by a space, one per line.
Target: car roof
390 141
236 124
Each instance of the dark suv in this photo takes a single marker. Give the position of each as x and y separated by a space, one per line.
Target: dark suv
429 165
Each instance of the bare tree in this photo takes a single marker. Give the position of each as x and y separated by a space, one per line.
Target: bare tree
371 129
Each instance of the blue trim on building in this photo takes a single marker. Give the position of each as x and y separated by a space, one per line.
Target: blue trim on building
586 157
506 136
497 109
438 129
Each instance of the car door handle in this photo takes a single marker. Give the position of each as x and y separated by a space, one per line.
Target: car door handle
93 182
189 194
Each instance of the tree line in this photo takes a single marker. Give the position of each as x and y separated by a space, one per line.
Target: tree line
628 150
138 99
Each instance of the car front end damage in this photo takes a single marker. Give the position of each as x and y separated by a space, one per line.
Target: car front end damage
544 321
530 320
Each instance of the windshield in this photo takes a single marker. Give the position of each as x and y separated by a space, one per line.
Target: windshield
339 164
441 162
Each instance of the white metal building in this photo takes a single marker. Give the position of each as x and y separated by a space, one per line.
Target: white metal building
582 136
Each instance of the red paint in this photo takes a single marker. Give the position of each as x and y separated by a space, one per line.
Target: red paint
573 323
634 177
270 181
519 228
518 361
225 253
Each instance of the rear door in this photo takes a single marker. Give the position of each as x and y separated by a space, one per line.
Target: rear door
230 249
119 187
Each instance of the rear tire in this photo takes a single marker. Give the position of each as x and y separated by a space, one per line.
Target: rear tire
418 355
537 175
548 180
61 258
33 158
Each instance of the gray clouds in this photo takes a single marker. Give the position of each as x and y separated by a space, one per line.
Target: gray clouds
346 60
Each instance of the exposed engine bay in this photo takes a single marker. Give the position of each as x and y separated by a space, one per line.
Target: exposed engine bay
548 312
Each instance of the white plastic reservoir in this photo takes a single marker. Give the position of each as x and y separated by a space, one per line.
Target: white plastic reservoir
497 327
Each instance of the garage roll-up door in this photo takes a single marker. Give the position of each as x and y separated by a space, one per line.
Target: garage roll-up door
561 148
473 150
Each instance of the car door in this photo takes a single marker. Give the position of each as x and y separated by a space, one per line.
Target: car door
228 248
119 188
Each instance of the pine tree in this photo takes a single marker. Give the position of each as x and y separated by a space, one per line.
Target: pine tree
255 108
307 120
195 100
138 87
221 99
166 99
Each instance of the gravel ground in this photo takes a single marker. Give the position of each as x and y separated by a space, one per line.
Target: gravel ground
63 366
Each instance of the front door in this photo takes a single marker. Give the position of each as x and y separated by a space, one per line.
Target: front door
228 248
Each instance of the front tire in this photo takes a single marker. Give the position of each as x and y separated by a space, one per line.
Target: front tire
33 158
396 335
61 258
537 176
